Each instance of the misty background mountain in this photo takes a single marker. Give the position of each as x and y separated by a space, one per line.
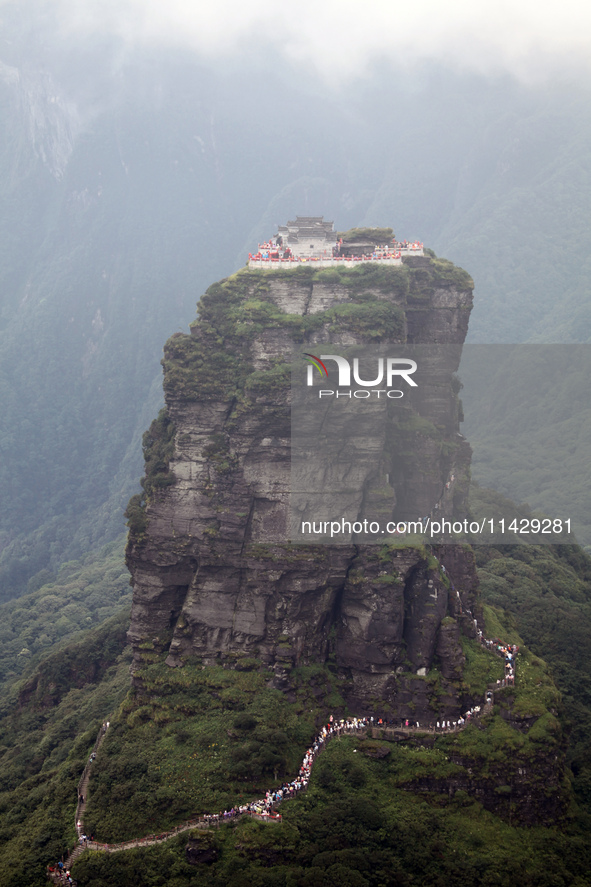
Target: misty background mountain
132 178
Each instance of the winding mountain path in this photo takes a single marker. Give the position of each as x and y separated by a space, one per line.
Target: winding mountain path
263 809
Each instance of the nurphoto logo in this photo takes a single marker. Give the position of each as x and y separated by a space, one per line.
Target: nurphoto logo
388 370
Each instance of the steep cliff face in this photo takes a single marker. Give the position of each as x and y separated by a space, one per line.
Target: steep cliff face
213 571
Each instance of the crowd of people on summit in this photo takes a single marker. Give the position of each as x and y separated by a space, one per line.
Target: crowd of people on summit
275 250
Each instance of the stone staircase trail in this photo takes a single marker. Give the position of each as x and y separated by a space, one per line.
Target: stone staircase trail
359 727
377 731
85 779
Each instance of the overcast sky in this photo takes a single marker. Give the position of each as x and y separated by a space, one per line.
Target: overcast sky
532 39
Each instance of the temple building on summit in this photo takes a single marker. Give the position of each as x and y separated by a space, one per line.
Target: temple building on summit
311 239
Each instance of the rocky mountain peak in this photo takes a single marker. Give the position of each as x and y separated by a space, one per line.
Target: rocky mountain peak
214 572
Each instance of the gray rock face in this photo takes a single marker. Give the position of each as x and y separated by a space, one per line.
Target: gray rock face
214 574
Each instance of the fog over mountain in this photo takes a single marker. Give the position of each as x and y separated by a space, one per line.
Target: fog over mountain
526 39
141 158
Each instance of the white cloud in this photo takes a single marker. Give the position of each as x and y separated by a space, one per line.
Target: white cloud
342 37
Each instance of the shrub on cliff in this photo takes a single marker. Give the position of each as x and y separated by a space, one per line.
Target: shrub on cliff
158 447
372 235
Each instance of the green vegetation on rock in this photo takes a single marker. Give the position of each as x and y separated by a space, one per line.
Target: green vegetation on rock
357 826
547 591
215 362
45 739
375 235
198 739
